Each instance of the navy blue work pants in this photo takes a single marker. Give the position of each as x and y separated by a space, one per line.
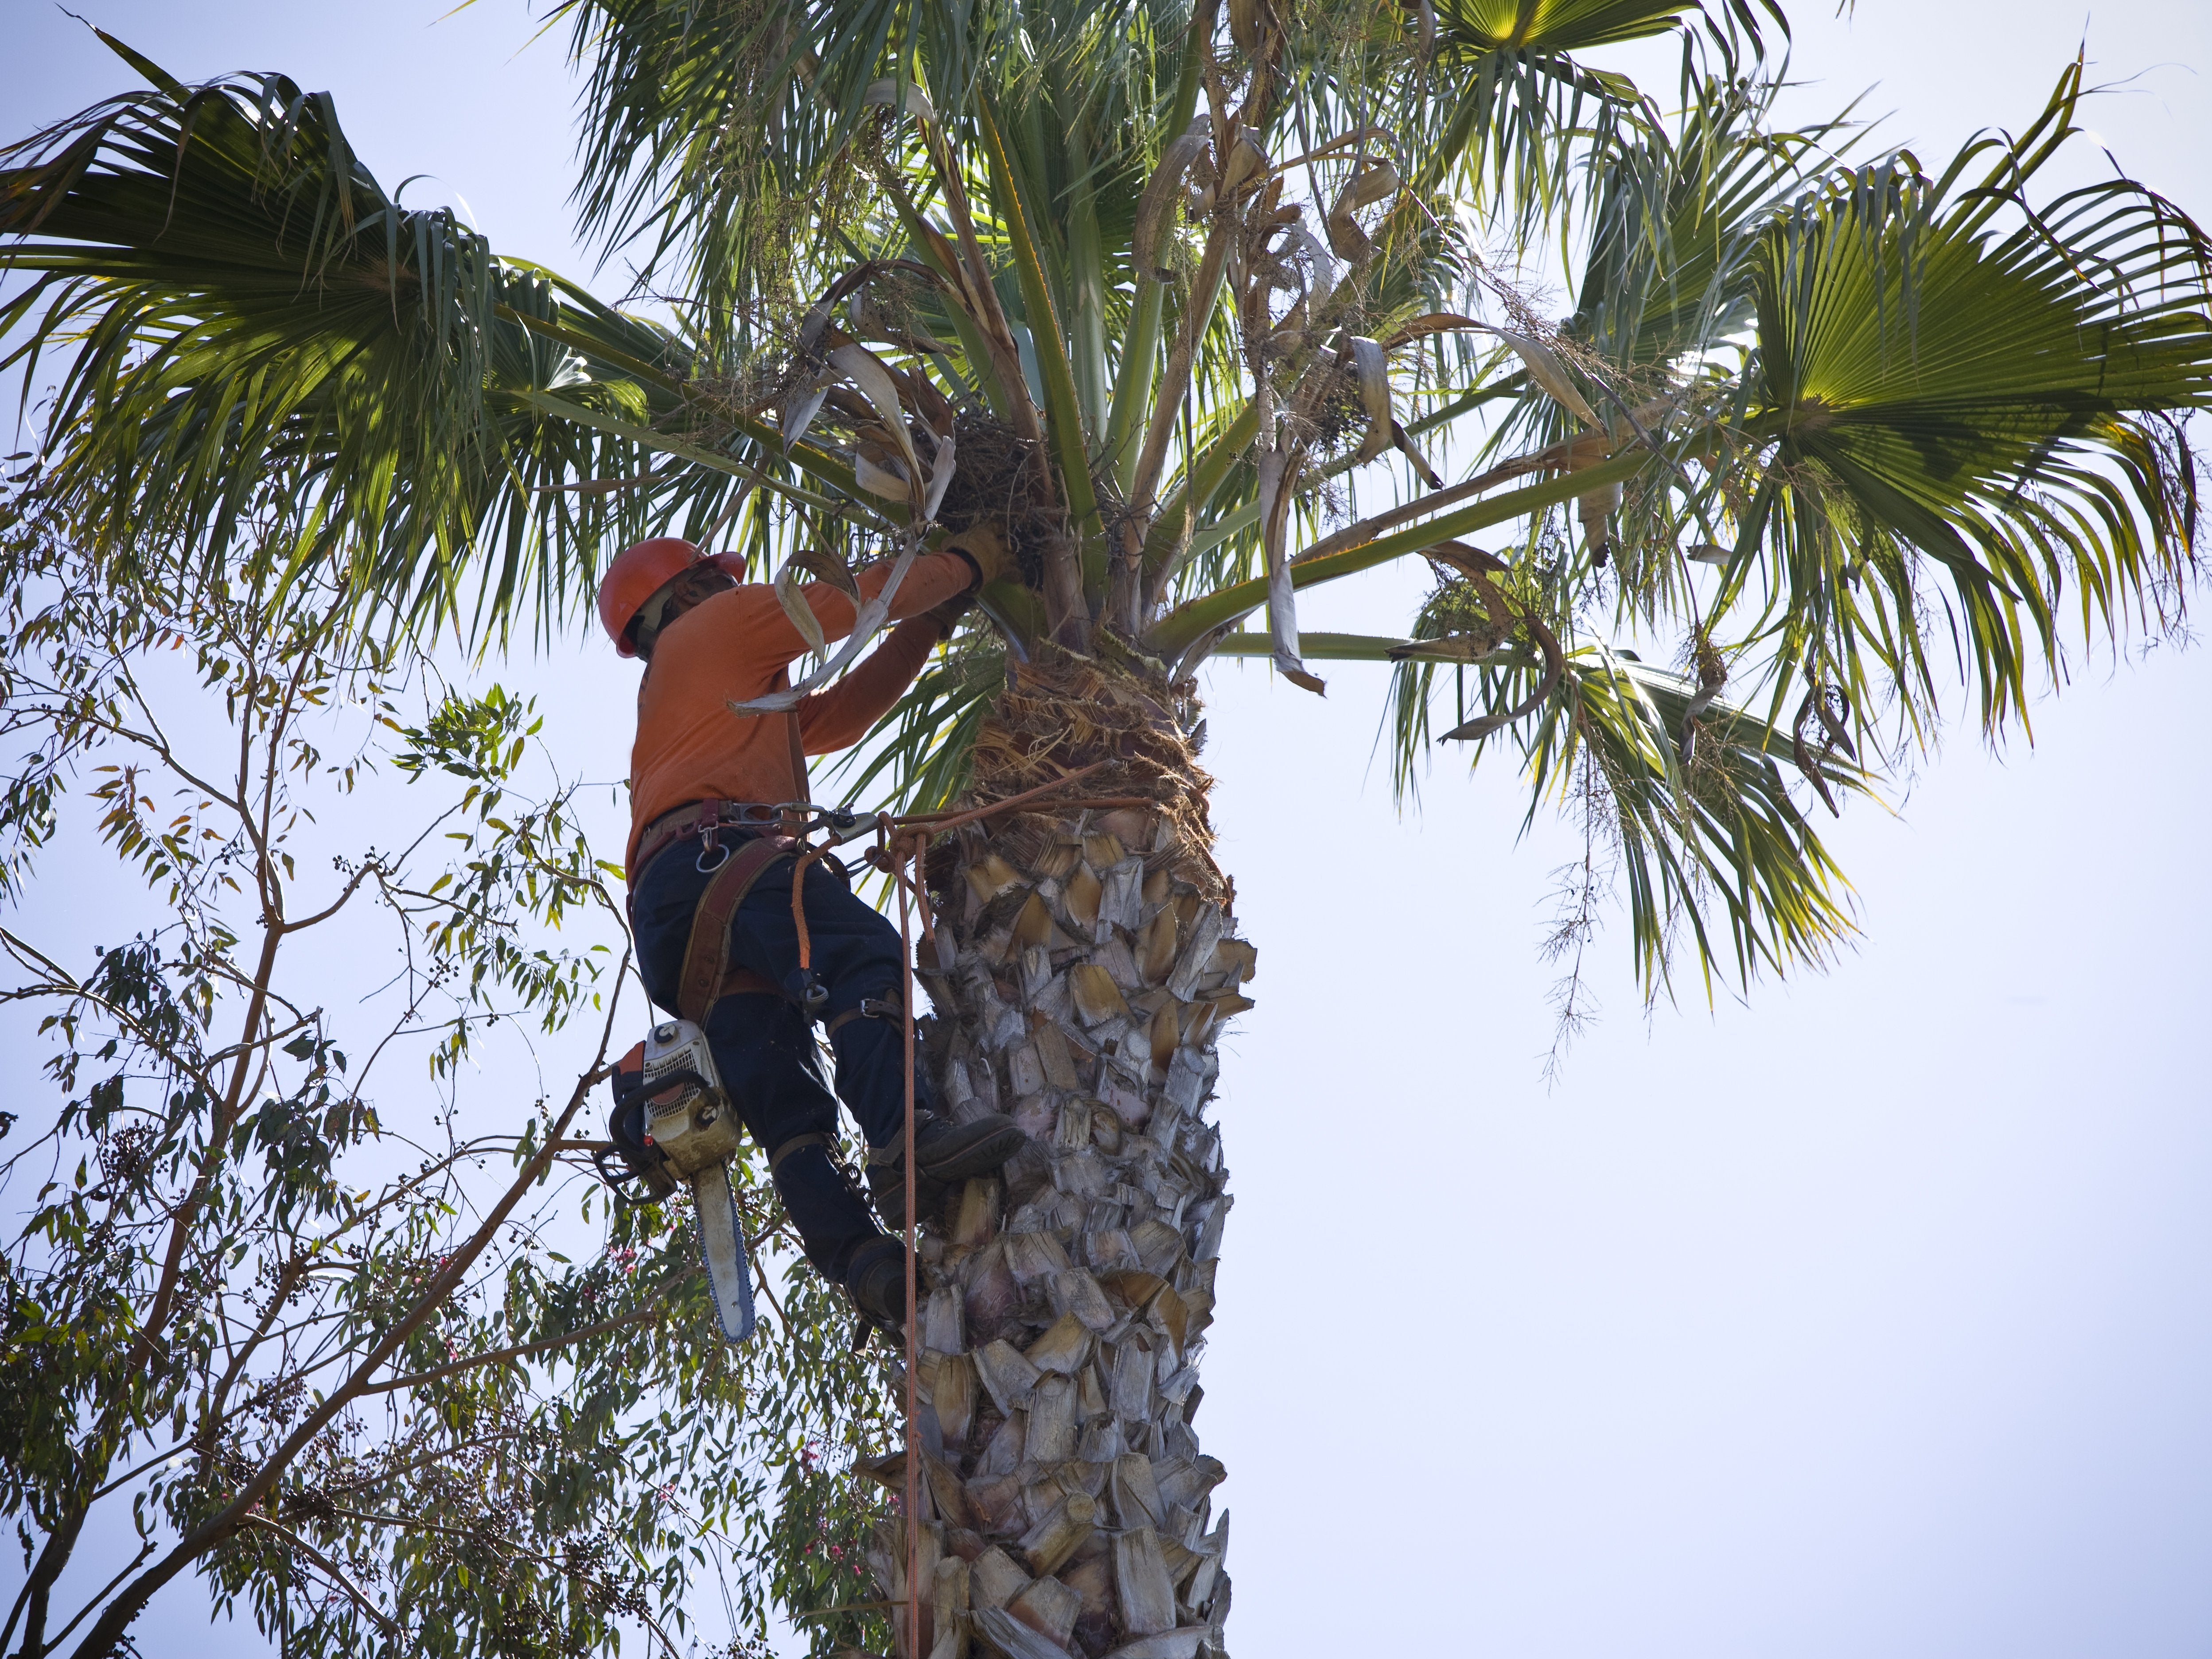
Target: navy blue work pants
764 1046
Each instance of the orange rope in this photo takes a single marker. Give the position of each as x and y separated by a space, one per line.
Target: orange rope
912 1292
899 840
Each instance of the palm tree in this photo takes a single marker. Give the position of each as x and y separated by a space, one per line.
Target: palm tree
1137 284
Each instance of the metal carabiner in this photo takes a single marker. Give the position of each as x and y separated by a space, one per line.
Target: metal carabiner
841 823
814 996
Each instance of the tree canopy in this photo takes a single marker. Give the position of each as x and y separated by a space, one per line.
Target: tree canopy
1147 285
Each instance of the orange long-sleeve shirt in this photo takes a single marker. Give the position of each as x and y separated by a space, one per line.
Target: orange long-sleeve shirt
739 645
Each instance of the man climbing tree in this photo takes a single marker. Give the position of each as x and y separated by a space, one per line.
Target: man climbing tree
711 877
1190 310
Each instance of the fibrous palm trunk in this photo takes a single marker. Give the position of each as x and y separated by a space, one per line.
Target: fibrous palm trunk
1081 965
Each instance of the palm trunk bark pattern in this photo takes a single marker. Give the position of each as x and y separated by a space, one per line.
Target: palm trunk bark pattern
1081 966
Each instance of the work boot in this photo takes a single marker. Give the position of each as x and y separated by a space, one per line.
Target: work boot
943 1152
876 1280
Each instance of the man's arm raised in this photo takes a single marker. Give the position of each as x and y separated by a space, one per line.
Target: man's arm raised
838 716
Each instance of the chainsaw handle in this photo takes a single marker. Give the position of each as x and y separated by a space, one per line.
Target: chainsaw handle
617 1184
661 1084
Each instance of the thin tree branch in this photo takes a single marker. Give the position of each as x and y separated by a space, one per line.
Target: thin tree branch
520 1350
84 1611
389 1626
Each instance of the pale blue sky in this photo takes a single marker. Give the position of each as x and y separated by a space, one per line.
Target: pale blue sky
1873 1317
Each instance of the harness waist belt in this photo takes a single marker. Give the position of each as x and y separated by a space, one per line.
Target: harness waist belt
699 817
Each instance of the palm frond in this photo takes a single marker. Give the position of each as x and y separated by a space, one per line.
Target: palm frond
1674 218
702 134
1709 846
1517 111
1999 402
733 143
263 338
1712 842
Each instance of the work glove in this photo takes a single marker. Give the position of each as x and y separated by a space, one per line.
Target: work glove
987 553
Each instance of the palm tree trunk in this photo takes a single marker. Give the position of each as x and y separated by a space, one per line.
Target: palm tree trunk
1081 965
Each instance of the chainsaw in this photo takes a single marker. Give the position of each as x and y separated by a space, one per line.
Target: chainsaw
672 1122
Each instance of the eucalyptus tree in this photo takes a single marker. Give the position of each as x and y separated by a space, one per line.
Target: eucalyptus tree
1143 288
304 1293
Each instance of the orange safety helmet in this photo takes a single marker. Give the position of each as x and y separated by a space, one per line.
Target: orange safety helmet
640 571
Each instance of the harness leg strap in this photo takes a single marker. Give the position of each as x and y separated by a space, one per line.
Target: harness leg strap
797 1143
870 1008
707 956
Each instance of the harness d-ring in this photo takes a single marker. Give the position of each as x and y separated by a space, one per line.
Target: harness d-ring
711 845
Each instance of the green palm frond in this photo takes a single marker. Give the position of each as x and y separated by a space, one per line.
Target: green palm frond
1702 835
1710 842
734 142
703 134
1953 409
1515 104
1667 281
262 337
1674 219
1927 387
1468 28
